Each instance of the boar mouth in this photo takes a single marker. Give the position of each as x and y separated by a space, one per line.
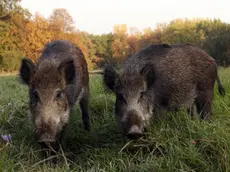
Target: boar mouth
50 145
136 133
49 149
134 136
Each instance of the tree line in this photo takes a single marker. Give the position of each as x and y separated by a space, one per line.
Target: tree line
23 34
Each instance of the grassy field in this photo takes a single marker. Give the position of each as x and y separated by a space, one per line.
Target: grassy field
174 143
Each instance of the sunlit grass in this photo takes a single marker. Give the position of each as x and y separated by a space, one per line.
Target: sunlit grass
173 143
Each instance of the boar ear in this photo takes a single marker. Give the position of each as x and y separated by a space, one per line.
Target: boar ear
67 70
148 73
26 69
110 77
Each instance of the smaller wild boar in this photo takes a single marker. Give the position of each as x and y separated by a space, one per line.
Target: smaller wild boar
56 82
161 77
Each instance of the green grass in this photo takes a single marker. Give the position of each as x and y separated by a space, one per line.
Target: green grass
173 143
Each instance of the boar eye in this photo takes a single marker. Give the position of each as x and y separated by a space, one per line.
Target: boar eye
121 97
59 95
142 94
36 96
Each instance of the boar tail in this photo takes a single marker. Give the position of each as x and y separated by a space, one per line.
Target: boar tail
220 86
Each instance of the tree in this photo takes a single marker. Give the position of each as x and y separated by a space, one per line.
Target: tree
20 35
12 21
61 20
11 60
120 29
217 42
37 34
181 31
7 7
120 45
101 48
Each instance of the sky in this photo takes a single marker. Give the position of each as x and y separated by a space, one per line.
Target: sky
99 16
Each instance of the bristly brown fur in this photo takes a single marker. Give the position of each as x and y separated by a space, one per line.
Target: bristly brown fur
56 82
176 76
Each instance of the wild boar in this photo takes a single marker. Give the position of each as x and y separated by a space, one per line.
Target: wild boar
56 82
161 77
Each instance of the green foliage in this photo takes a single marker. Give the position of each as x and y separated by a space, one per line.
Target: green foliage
211 35
11 60
12 19
20 32
217 42
173 142
101 49
182 31
7 7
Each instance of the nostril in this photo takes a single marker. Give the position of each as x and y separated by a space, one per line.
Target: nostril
135 132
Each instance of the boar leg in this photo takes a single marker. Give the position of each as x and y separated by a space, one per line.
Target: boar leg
204 103
84 105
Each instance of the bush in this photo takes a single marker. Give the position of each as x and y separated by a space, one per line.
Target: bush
10 60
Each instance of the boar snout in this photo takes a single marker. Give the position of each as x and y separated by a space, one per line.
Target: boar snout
48 143
133 125
135 132
46 132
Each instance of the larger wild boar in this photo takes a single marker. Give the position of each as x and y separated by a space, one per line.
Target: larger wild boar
56 82
165 77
